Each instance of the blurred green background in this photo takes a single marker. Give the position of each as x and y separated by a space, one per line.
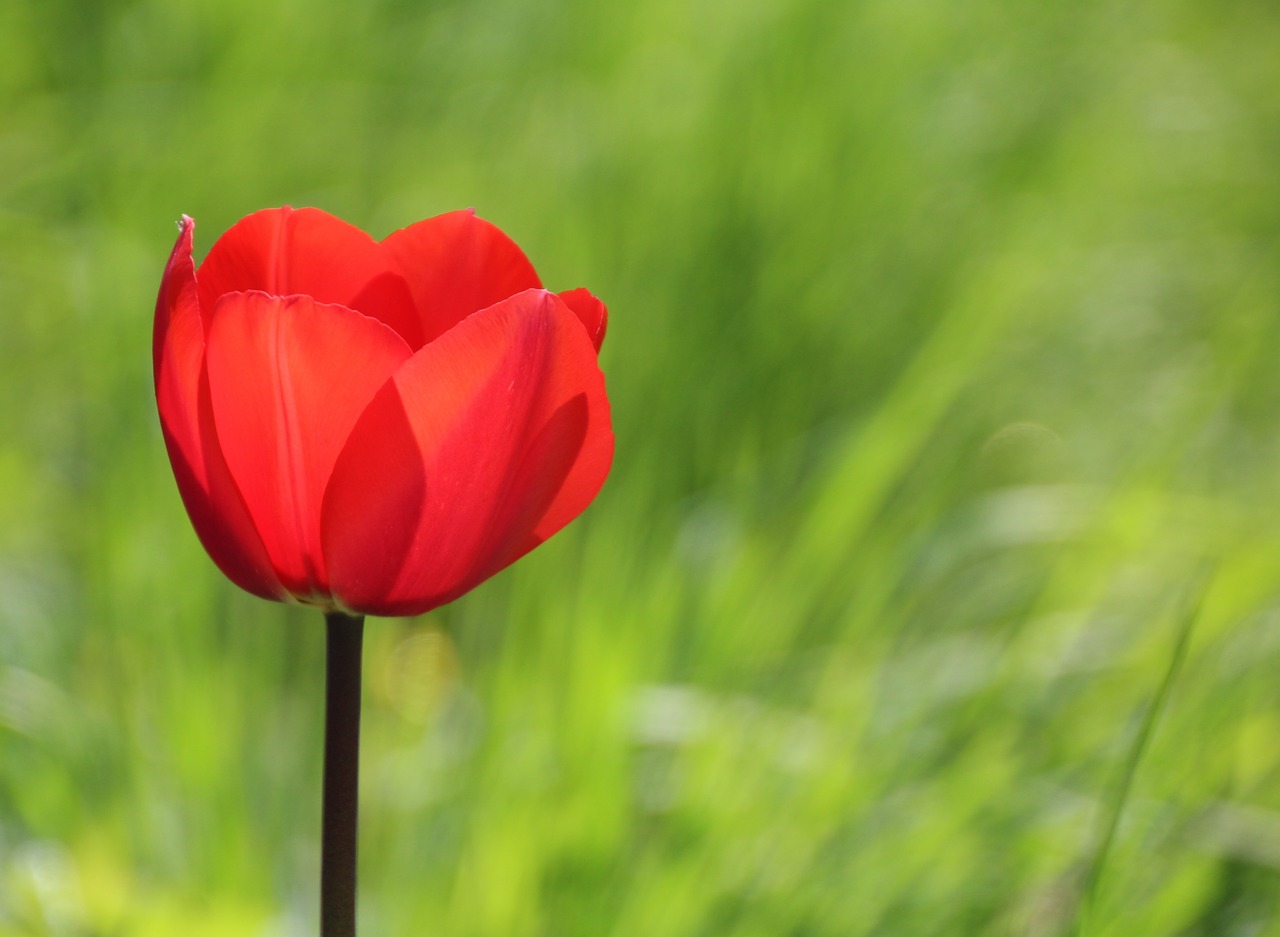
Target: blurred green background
942 358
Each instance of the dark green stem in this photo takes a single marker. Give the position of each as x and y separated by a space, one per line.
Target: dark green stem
341 775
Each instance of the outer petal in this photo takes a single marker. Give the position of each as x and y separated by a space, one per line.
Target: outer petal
591 312
213 503
457 264
284 251
482 445
288 377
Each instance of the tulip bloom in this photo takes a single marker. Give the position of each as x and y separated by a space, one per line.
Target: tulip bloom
375 427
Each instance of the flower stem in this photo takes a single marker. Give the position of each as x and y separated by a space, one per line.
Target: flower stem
341 775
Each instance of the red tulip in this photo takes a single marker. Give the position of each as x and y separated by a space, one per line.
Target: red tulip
375 427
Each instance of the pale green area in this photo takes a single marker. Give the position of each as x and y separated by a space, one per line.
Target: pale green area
943 361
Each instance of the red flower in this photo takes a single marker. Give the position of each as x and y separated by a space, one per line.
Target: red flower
375 427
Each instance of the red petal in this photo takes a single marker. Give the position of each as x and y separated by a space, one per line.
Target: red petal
457 264
178 335
286 251
288 377
593 313
212 501
485 443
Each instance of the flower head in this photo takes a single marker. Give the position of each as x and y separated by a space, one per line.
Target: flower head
375 427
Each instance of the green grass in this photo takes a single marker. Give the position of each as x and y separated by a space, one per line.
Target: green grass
942 358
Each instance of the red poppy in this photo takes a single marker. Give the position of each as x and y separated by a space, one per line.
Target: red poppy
375 427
